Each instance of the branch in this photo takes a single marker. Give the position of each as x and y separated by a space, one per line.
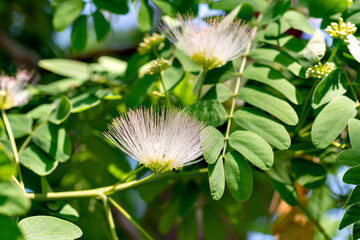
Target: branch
109 190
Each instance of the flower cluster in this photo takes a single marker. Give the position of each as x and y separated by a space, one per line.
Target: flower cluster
158 65
210 42
319 70
151 43
341 30
162 139
11 90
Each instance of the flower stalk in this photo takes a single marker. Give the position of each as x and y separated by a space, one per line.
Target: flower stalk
203 76
167 96
127 215
109 217
13 146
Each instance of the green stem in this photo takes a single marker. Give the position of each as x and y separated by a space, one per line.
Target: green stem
133 173
204 72
237 87
351 87
118 207
157 55
167 96
305 109
333 52
13 146
109 190
109 217
314 221
28 139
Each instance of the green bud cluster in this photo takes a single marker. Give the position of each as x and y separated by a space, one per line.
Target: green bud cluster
320 71
340 30
150 43
158 65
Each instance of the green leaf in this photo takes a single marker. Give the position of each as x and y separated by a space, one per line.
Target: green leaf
79 33
213 227
113 65
199 80
7 168
217 178
275 55
187 63
307 173
229 5
273 78
84 102
287 41
62 110
356 231
321 8
269 103
53 140
354 46
275 29
264 126
246 11
238 176
60 86
66 13
165 7
46 227
354 133
145 17
219 92
332 120
352 176
213 144
113 6
298 21
252 147
329 88
220 75
230 17
66 67
101 25
188 198
37 160
287 192
188 227
211 112
9 229
20 125
274 10
354 197
41 112
173 75
139 90
352 215
168 218
67 212
13 200
349 157
316 47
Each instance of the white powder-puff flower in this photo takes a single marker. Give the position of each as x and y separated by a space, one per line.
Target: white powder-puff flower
160 139
12 93
210 42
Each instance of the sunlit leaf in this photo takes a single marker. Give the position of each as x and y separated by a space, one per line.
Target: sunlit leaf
332 120
46 227
316 47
